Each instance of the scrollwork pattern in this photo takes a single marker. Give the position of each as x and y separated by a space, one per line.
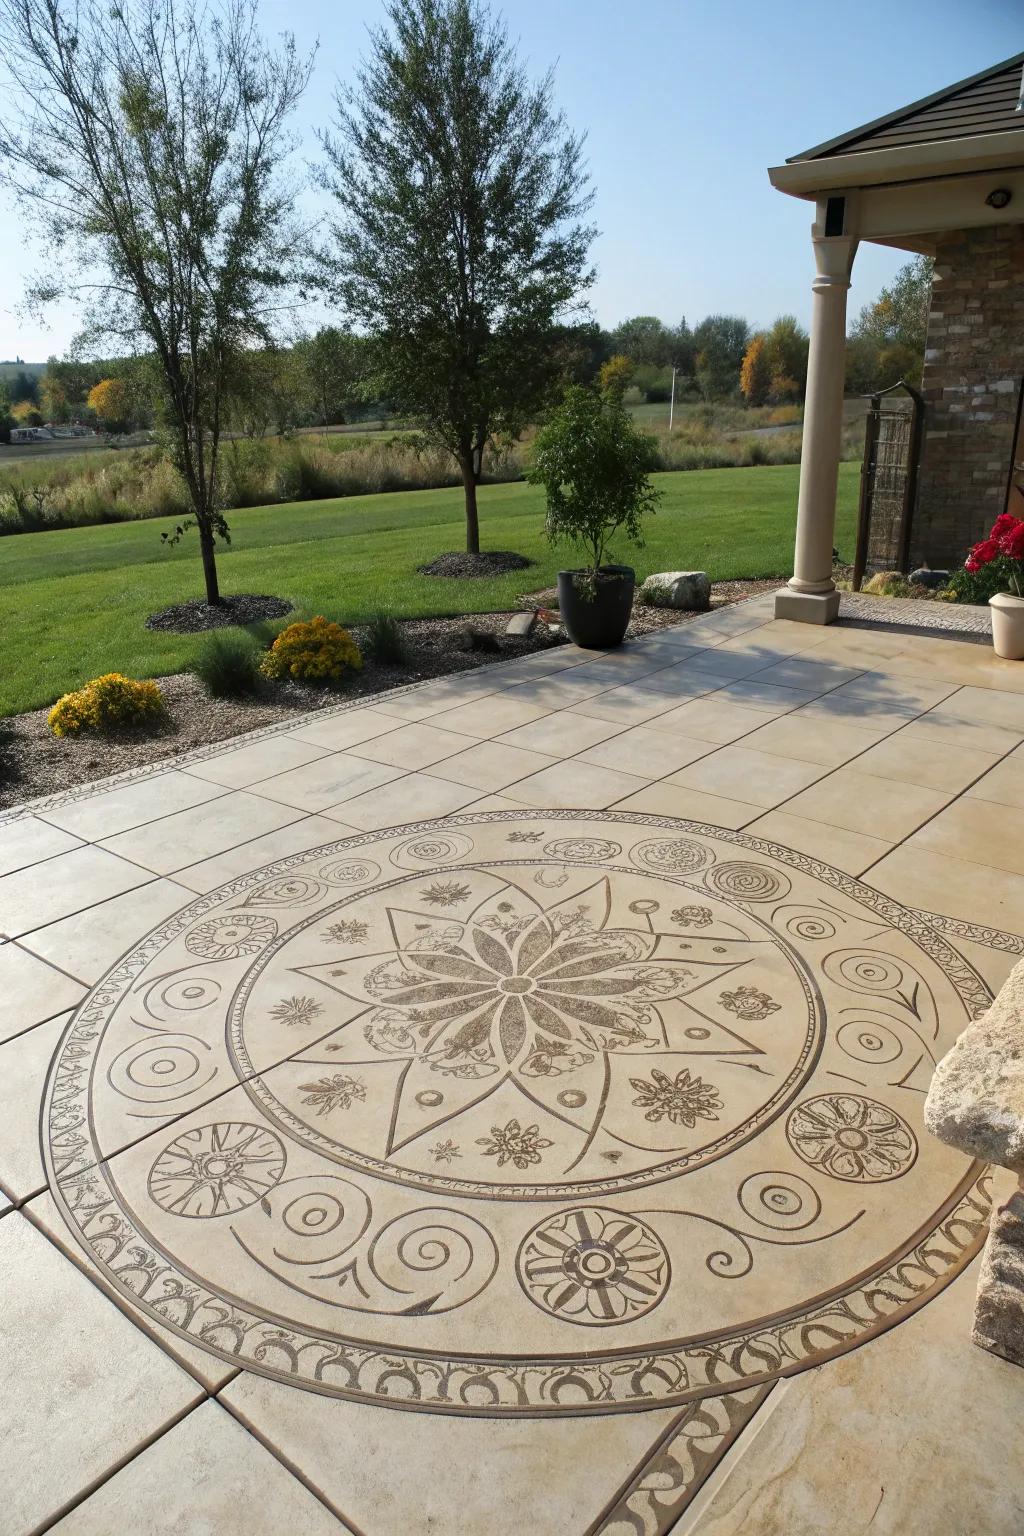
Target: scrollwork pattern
316 1234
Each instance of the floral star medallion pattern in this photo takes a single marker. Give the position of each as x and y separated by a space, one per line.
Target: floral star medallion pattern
640 1094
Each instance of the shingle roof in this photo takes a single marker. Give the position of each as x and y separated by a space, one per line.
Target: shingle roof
989 102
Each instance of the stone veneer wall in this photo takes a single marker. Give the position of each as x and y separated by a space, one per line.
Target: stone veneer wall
974 363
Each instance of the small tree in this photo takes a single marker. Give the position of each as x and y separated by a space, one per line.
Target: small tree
334 364
458 243
145 137
756 372
615 376
109 402
787 345
720 342
593 464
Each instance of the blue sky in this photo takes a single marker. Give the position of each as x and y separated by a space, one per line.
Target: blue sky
684 105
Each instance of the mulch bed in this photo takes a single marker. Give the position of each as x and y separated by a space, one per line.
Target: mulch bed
490 562
243 608
33 762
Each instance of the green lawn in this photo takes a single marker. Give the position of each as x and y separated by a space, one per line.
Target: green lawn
75 601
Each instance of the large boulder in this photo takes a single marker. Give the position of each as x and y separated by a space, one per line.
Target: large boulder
976 1103
678 589
976 1100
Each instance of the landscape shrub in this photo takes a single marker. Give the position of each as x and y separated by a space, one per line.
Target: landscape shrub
108 703
313 651
888 584
978 586
229 665
385 639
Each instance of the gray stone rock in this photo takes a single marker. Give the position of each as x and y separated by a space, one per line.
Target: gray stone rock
677 589
999 1311
520 624
923 577
976 1100
976 1103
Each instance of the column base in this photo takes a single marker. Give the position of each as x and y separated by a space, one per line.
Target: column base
807 607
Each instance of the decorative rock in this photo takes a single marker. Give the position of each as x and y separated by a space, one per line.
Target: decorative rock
923 577
976 1103
999 1310
520 624
677 589
976 1100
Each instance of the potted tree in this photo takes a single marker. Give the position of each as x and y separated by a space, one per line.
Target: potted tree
1003 551
593 464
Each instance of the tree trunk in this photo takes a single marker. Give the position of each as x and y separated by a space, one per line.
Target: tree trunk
472 519
209 563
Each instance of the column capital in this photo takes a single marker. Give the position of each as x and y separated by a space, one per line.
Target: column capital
833 260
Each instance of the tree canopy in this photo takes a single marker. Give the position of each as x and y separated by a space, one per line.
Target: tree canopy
887 338
459 241
147 139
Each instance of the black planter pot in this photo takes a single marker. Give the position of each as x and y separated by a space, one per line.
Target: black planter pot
597 619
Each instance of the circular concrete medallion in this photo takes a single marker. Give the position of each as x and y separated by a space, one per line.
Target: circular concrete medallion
525 1112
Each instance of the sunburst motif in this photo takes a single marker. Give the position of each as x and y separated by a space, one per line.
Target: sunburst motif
540 996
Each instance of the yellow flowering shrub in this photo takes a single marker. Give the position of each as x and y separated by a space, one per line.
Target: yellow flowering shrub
313 651
105 704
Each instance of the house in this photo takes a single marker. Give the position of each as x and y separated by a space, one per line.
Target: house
944 177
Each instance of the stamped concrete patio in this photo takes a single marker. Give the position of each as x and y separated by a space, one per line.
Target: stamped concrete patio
497 1106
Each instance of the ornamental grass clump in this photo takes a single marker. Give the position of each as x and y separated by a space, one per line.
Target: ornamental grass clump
317 651
384 639
229 666
109 703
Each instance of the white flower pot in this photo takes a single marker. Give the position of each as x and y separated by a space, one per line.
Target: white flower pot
1008 625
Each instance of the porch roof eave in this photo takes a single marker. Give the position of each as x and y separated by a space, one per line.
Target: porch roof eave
930 161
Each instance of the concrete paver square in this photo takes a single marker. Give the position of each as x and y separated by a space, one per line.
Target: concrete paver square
32 991
29 840
199 1477
115 810
70 882
257 760
176 841
84 1388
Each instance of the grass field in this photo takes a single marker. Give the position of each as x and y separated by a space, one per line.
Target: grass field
75 601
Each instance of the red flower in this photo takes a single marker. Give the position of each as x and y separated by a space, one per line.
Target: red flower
1005 523
982 554
1012 541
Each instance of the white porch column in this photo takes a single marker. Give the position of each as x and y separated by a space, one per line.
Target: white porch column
811 596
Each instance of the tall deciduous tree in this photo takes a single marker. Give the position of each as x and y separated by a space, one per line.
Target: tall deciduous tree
334 365
459 241
887 338
787 345
646 339
720 342
147 137
756 372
